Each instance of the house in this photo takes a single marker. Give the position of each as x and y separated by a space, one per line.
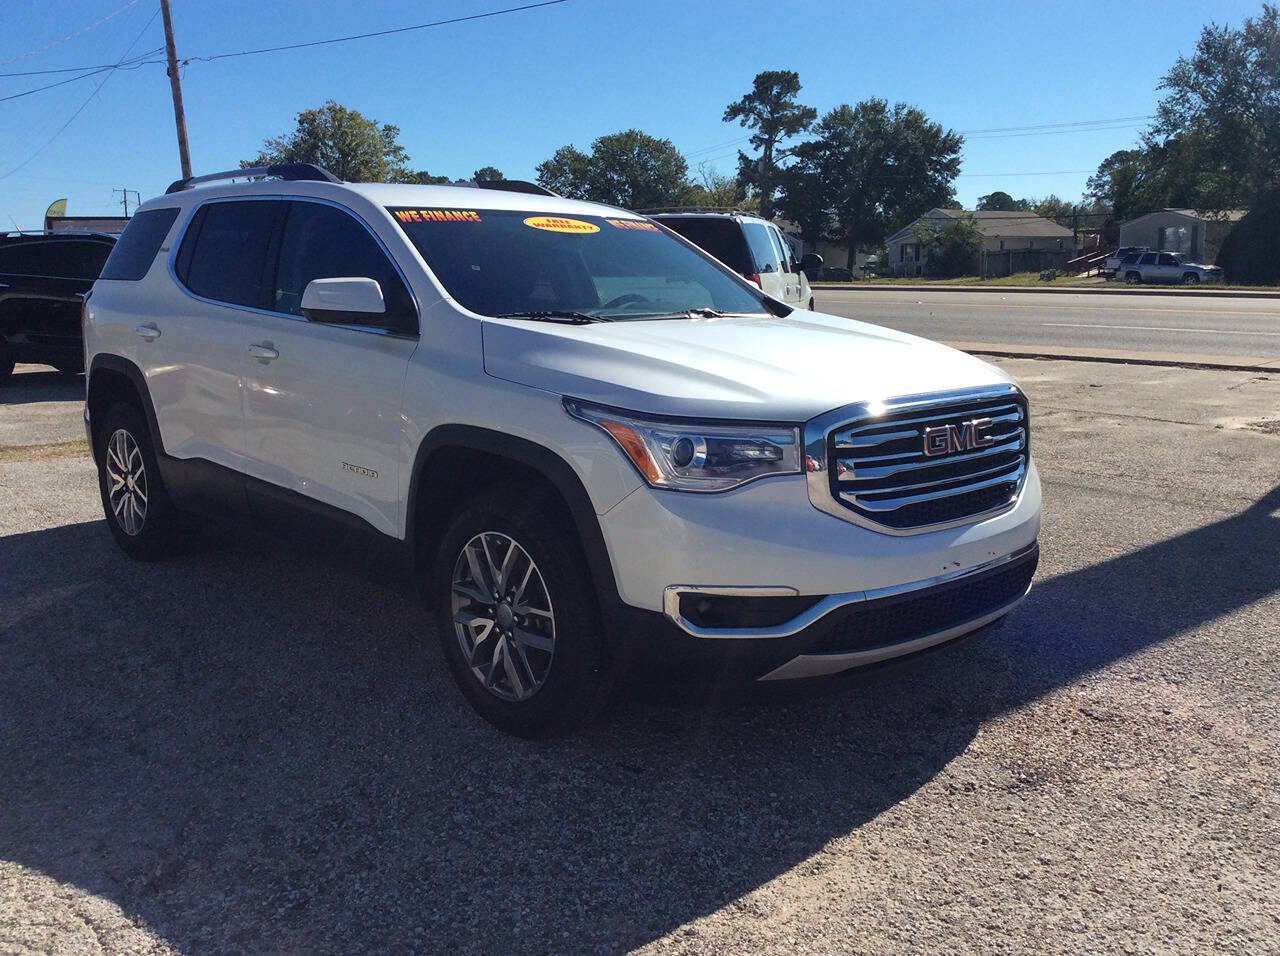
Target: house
1196 235
832 253
1007 235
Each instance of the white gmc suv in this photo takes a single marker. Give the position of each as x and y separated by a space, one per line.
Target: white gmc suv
607 454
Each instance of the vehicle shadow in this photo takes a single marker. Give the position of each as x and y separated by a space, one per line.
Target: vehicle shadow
31 384
251 749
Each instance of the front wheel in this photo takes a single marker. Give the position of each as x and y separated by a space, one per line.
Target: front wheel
517 617
1132 278
142 520
1190 279
810 305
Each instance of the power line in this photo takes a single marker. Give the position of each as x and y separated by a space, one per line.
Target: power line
1019 129
376 33
69 36
122 65
81 69
87 101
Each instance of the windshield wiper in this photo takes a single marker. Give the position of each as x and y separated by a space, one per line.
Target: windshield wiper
554 315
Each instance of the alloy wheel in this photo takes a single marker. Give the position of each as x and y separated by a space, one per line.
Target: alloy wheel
502 616
127 482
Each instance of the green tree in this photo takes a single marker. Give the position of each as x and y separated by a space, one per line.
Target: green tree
715 189
1057 210
1221 116
771 110
347 143
1002 201
876 167
629 169
488 174
952 247
424 178
1120 184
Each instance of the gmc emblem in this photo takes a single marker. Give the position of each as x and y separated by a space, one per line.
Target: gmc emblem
948 439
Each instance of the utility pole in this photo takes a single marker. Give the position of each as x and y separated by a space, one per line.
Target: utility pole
175 84
125 192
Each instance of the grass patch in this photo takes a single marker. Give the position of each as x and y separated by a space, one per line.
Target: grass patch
77 448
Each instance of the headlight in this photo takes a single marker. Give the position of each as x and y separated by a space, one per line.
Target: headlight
688 455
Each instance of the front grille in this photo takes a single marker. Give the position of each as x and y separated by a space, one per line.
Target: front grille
881 472
893 620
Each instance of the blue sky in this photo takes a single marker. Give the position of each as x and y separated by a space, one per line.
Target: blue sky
508 91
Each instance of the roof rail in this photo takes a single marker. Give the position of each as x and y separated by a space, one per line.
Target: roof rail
291 172
724 210
517 186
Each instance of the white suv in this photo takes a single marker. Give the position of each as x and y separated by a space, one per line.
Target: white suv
752 247
607 455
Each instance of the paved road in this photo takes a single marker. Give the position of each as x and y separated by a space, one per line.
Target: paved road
1156 323
256 747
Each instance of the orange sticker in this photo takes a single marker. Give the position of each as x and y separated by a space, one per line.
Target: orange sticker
559 224
438 215
637 225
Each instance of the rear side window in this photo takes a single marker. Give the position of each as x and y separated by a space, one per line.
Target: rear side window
55 258
721 238
762 249
224 253
321 242
137 247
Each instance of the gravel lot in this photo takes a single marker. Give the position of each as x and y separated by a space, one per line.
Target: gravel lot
256 747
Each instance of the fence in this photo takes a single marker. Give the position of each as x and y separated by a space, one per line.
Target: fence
995 263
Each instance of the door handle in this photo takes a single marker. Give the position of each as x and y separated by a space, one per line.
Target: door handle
148 332
264 353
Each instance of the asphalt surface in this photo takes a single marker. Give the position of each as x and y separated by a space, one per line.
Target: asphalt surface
256 747
1168 323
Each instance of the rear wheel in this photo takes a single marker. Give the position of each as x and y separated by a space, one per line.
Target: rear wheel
1132 278
810 305
141 517
1190 278
6 363
517 618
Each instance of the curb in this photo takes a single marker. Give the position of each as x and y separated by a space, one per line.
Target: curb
1224 363
1050 290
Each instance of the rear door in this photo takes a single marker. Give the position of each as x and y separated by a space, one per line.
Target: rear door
767 258
322 401
1149 268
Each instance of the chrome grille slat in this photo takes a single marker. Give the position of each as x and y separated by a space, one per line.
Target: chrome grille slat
1005 445
876 472
866 494
1001 409
893 504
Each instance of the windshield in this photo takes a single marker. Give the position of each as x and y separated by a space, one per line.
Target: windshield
504 263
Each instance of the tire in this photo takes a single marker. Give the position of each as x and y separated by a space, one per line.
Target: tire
6 363
141 517
810 305
555 678
1133 278
1190 278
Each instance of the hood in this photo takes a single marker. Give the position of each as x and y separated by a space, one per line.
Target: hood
763 368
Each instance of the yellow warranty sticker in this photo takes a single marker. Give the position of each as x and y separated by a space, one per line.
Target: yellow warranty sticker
558 224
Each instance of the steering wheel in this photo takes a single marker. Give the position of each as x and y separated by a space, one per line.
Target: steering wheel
626 299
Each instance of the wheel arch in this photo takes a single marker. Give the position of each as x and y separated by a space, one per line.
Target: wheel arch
441 477
111 379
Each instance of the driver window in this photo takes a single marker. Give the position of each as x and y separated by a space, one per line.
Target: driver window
1149 259
1167 260
322 242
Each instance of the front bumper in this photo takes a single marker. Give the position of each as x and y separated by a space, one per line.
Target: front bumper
838 633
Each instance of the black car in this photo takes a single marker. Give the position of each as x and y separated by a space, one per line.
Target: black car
43 281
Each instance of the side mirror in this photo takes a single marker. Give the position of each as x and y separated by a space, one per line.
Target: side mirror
344 301
810 261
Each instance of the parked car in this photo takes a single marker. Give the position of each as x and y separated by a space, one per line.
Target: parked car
43 280
1167 267
752 247
607 455
1114 260
836 274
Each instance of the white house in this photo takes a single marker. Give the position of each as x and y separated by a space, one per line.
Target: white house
1196 235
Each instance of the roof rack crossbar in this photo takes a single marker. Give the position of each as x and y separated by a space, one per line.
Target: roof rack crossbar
724 210
292 172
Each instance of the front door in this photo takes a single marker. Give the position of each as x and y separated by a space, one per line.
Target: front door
322 401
